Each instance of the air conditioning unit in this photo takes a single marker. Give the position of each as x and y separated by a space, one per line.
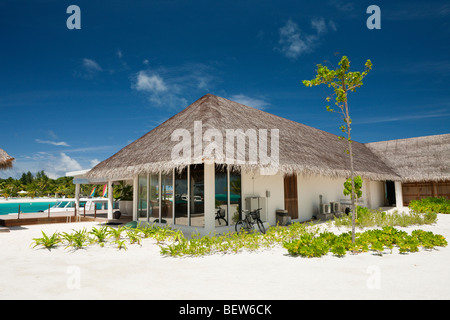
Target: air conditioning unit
335 207
325 208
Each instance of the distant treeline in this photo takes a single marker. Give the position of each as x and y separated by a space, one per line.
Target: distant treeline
40 185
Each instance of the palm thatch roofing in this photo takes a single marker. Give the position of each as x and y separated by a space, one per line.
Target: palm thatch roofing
416 159
5 160
302 149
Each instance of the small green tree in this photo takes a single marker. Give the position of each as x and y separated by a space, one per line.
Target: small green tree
342 81
348 188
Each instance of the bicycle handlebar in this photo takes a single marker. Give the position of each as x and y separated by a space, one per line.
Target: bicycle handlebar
247 211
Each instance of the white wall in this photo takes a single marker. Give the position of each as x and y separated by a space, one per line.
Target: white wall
309 189
375 194
257 185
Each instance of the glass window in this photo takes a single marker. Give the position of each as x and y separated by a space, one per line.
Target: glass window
166 198
153 197
181 197
197 195
221 197
142 198
235 197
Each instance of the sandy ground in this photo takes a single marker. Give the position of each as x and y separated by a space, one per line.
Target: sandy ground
142 273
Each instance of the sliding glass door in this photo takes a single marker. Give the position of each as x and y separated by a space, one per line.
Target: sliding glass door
197 195
177 198
153 197
167 198
235 197
181 197
142 198
189 196
228 196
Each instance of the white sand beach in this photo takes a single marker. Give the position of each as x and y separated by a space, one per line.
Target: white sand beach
142 273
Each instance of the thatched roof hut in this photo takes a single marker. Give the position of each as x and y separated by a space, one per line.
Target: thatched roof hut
416 159
5 160
302 149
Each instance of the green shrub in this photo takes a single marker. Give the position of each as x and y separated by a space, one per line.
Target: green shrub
100 234
430 205
311 245
47 242
377 218
299 239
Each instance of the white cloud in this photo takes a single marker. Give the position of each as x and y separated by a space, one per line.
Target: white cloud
168 86
294 42
257 103
62 165
343 7
91 66
94 162
397 118
55 166
332 25
319 25
52 134
55 143
150 82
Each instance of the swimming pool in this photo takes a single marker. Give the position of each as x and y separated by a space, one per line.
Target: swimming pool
25 207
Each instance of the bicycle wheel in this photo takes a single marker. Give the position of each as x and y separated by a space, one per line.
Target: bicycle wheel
224 221
260 225
241 225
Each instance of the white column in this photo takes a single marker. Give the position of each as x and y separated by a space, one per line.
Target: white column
110 199
398 194
135 196
209 195
368 197
77 198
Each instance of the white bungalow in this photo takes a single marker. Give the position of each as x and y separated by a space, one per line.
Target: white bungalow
217 153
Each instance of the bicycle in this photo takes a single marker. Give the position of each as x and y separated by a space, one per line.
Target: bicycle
248 222
220 215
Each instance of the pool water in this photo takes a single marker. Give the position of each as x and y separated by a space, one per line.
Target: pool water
25 207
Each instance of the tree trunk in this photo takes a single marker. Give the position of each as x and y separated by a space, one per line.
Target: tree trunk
352 171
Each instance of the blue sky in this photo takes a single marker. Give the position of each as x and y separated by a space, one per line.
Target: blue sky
72 98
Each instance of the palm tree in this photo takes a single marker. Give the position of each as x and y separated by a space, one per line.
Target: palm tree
33 189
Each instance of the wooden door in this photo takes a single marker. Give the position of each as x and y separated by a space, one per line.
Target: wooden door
290 196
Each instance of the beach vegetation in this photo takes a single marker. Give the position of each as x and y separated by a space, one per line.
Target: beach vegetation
121 244
116 233
78 239
133 236
430 205
299 239
317 245
378 218
46 241
100 234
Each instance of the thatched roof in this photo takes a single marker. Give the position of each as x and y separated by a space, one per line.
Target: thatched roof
5 160
416 159
302 149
